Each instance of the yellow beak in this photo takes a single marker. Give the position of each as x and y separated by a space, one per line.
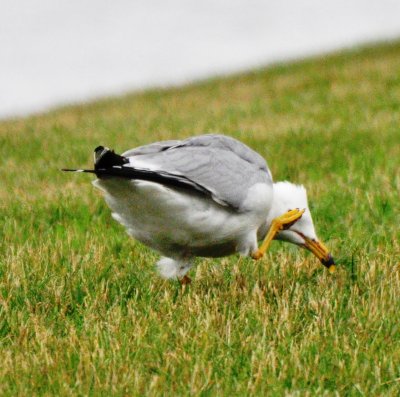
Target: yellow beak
321 252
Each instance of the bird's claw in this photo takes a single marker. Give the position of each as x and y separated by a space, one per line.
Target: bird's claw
282 222
289 218
257 255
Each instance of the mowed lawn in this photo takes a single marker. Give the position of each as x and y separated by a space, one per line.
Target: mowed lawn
82 310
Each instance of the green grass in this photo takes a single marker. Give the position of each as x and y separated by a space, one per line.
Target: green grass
82 310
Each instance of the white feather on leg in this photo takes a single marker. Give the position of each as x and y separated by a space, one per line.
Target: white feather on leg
172 268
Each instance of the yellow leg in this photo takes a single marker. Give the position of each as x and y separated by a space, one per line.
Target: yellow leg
280 223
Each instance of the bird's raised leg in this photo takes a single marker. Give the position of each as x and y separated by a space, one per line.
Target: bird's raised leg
280 223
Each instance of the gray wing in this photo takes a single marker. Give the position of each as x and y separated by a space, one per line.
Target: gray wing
154 147
222 165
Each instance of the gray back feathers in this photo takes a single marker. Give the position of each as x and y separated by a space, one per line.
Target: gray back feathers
222 165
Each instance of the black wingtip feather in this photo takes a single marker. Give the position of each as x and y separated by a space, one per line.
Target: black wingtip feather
105 158
77 170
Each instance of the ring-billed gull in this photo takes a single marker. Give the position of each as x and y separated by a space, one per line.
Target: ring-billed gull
205 196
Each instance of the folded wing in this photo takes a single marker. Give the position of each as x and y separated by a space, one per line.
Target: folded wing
216 165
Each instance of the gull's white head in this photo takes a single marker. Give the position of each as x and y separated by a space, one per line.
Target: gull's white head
288 196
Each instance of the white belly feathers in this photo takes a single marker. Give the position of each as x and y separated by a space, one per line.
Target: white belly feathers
180 224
